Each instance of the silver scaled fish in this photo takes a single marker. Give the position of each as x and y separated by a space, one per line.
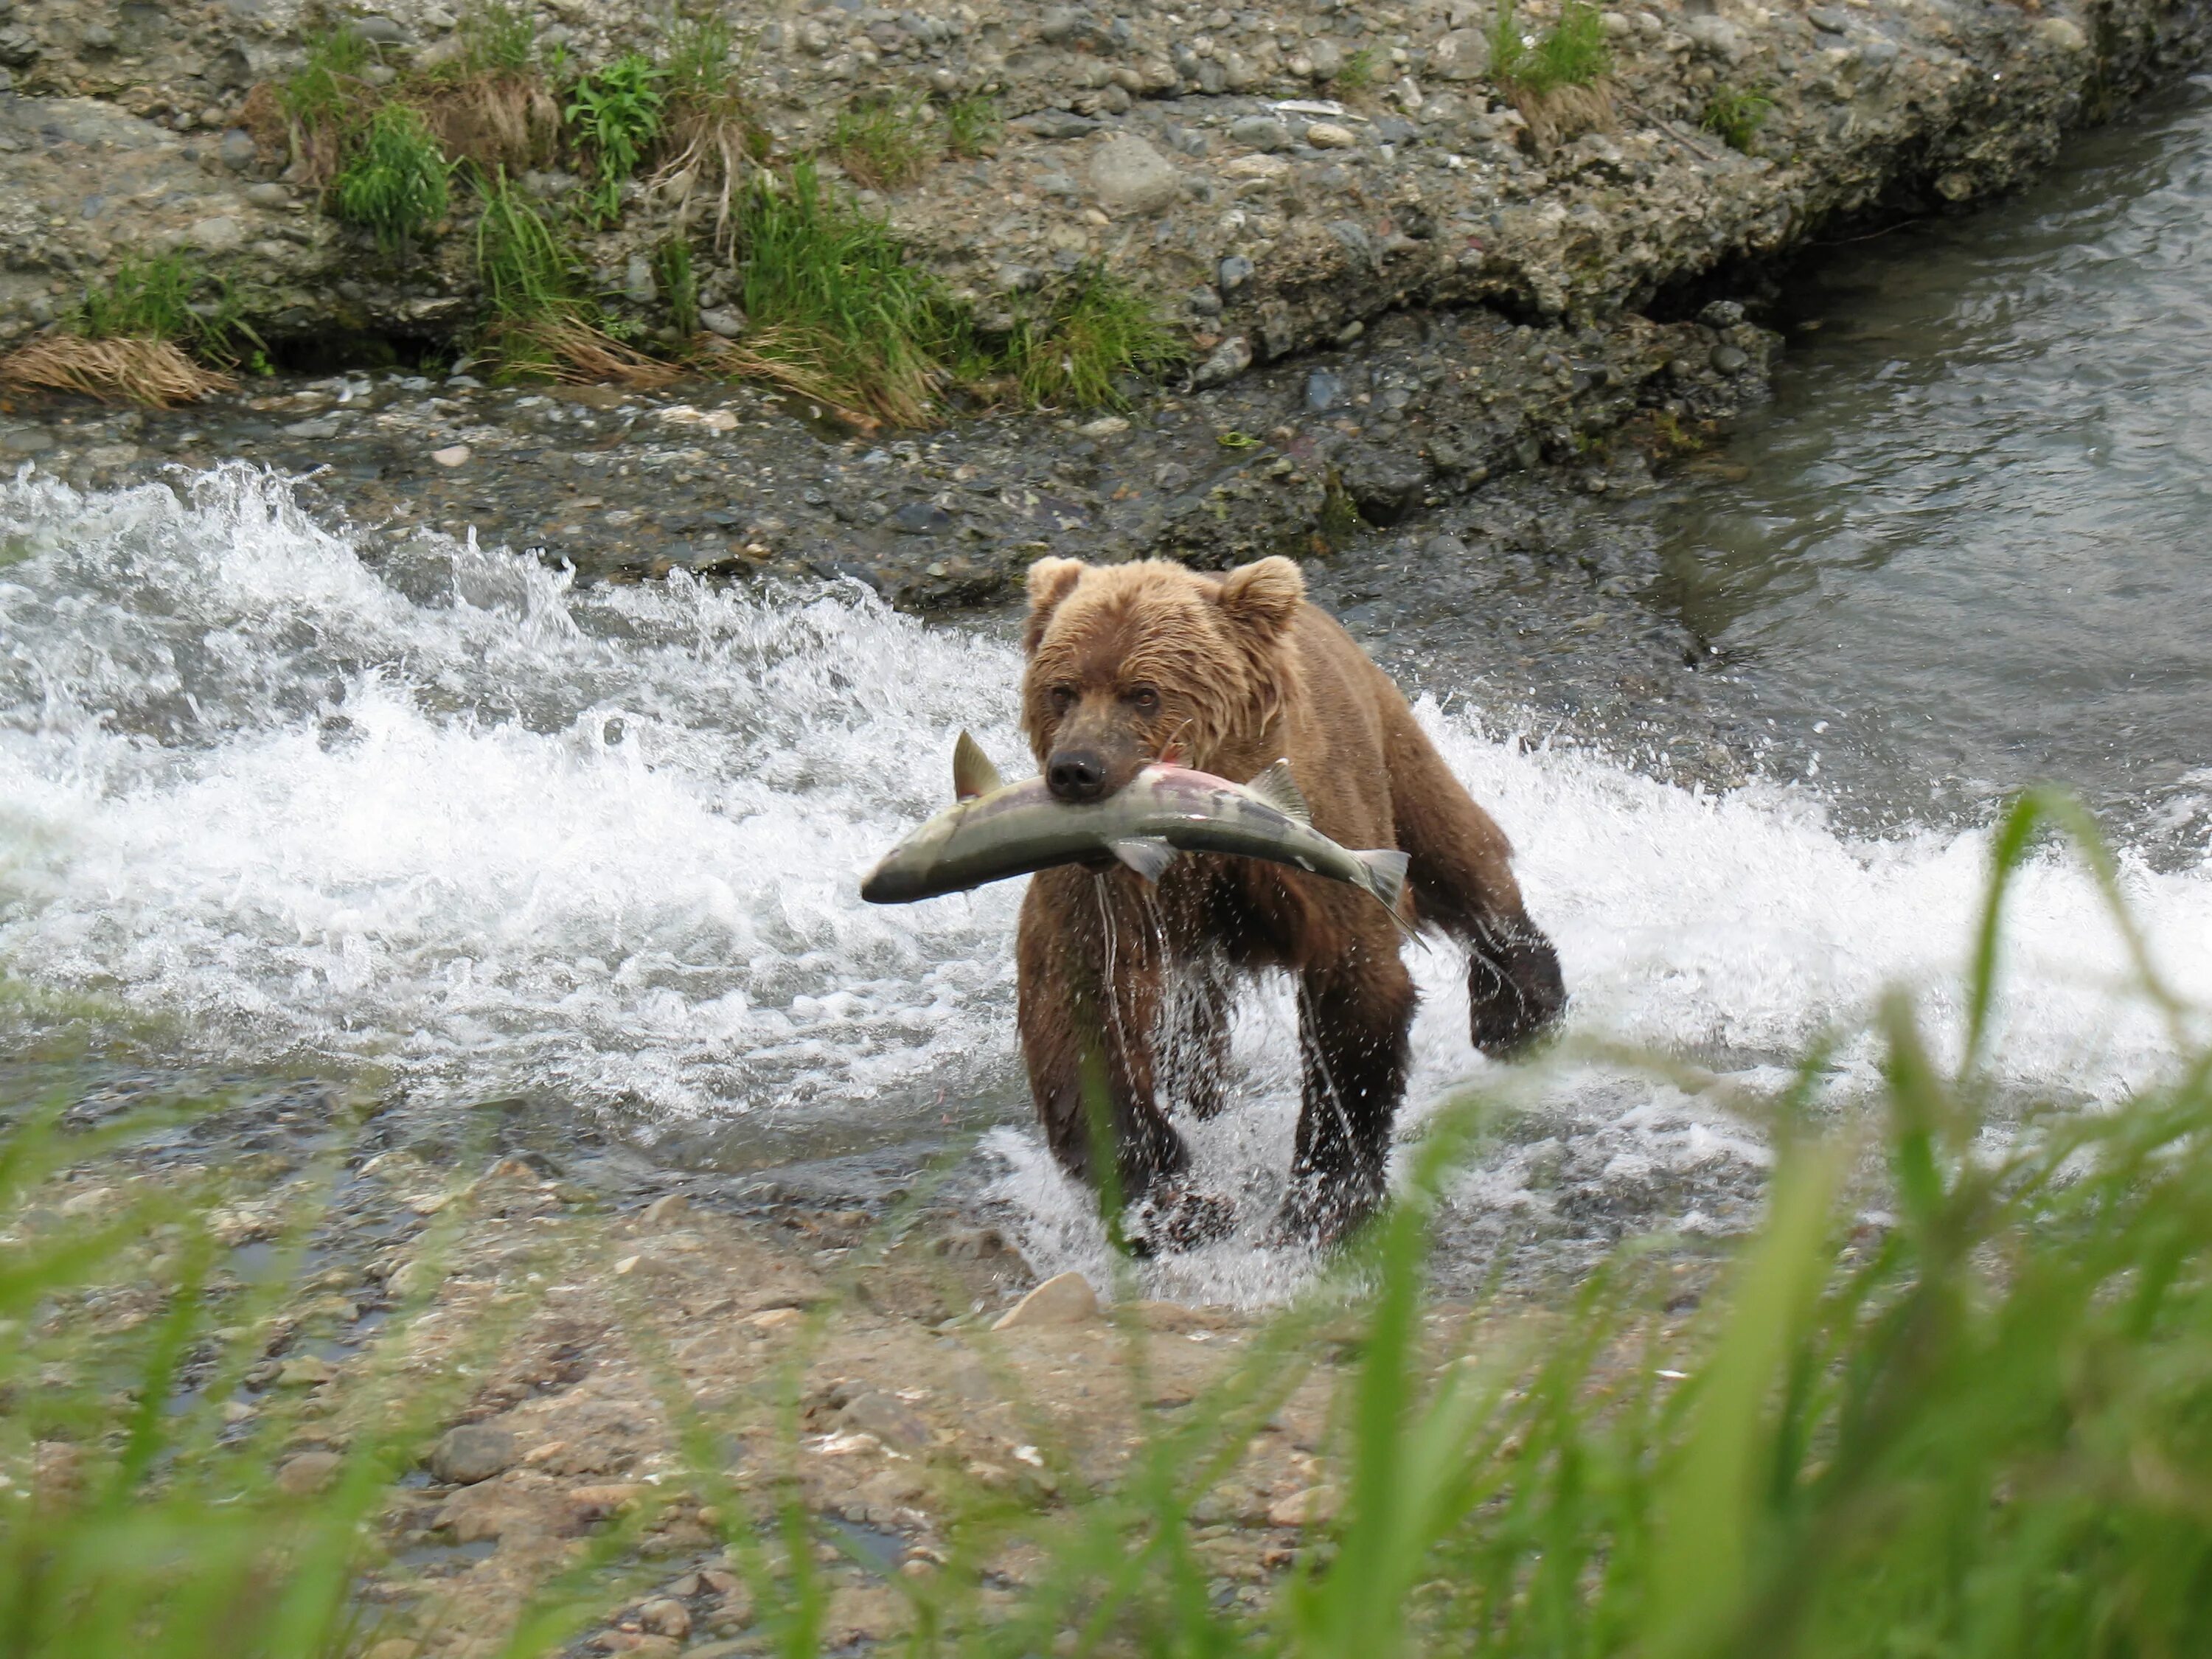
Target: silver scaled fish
997 830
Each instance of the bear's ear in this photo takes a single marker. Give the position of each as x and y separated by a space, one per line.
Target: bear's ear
1051 581
1265 595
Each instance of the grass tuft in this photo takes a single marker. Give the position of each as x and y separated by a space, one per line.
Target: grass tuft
974 126
153 373
614 113
834 299
536 320
711 139
1092 332
498 37
1557 79
327 102
396 183
672 264
883 141
1735 114
1358 72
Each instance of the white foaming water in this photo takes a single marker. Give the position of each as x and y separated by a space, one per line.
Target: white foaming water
446 815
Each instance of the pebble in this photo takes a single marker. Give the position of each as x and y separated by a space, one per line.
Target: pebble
237 149
1313 1507
1260 132
27 441
1233 273
456 455
1228 360
1128 175
1065 1299
1462 55
663 1211
728 323
1326 135
309 1472
472 1452
1106 425
921 518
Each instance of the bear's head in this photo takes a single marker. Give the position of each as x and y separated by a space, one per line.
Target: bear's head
1130 661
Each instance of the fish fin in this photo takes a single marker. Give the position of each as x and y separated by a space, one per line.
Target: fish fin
972 774
1281 790
1148 857
1385 877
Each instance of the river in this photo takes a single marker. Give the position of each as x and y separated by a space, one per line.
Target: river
443 821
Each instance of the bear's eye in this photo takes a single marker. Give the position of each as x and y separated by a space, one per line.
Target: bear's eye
1143 698
1063 698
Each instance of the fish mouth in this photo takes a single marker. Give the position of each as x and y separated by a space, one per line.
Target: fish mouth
886 885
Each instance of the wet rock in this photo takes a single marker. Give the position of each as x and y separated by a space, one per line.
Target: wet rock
308 1473
454 455
1314 1507
1129 176
1065 1299
728 323
1054 124
2063 33
473 1452
1385 485
272 197
665 1617
304 1372
889 1419
1462 55
1228 360
1232 273
237 150
1716 36
666 1211
1727 360
921 518
1260 132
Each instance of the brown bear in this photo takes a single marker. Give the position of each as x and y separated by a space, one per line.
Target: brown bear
1124 987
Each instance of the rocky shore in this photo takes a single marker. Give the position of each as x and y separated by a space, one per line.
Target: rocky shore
1396 283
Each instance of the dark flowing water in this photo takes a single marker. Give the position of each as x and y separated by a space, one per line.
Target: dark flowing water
1973 532
443 820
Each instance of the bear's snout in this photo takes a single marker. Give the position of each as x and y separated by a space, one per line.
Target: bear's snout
1077 776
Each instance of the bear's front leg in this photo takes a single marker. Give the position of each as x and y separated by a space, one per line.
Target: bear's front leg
1355 1025
1088 963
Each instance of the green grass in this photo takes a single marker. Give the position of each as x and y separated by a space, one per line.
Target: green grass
614 114
973 125
883 143
328 86
526 274
170 296
1089 333
1735 115
395 184
1572 52
497 38
701 58
1358 73
834 297
671 264
1978 1429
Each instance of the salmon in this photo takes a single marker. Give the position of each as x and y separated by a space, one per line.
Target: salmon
996 830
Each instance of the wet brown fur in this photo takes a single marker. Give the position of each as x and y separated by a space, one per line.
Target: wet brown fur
1124 988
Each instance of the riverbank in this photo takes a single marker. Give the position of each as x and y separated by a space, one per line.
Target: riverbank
1385 310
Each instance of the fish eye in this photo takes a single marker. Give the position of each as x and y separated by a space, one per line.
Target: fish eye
1145 697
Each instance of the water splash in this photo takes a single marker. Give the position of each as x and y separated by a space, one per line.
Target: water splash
443 813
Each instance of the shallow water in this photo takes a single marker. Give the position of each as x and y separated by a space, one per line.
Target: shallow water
433 816
1972 534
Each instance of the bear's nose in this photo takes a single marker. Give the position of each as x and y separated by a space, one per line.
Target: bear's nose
1077 776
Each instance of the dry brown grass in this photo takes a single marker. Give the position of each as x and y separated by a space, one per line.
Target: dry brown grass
794 359
710 150
567 348
495 120
1565 113
122 370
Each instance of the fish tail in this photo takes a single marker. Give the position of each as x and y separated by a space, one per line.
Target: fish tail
1383 874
